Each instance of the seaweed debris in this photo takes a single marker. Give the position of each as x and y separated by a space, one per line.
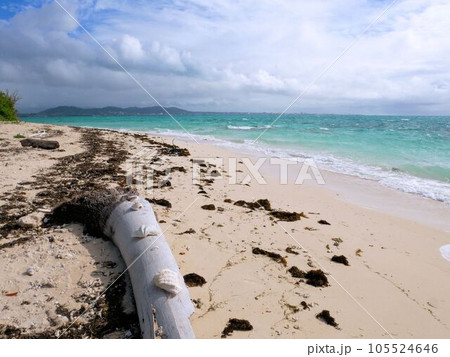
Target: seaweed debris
288 216
194 279
236 325
316 278
296 272
327 318
209 207
263 203
290 250
189 231
305 305
160 201
274 256
340 259
322 221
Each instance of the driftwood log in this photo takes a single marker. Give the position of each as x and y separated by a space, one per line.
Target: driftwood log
130 222
160 312
39 143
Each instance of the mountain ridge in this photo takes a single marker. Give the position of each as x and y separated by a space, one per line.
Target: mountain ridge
66 110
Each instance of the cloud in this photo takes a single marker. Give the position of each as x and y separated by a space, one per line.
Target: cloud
222 55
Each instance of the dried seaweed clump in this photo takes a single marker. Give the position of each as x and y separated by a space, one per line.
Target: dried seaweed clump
263 203
209 207
327 318
92 210
288 216
340 259
274 256
160 201
316 278
296 272
193 280
322 221
236 325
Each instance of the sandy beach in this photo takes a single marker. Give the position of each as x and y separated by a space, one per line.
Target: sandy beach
395 283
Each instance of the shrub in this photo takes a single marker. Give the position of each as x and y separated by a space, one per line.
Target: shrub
8 111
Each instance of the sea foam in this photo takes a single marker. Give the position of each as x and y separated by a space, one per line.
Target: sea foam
445 251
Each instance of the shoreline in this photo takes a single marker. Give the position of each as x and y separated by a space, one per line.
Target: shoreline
395 268
363 192
394 178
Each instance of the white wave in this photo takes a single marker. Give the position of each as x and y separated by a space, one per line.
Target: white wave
445 251
398 180
325 129
245 127
395 179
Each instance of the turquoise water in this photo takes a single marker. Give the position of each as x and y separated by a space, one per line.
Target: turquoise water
411 154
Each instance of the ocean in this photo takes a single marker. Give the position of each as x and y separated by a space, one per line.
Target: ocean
408 153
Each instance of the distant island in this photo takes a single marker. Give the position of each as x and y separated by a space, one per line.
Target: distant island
69 111
106 111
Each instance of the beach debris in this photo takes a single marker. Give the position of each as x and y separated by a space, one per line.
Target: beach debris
296 272
236 325
198 303
137 206
168 280
292 308
91 209
316 278
327 318
228 200
31 220
291 250
358 252
287 216
30 271
174 150
189 231
177 168
337 241
340 259
12 294
161 202
163 183
274 256
39 143
322 221
263 203
220 209
209 207
146 231
310 229
193 280
305 305
445 251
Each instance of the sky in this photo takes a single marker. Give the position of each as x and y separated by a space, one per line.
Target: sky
223 55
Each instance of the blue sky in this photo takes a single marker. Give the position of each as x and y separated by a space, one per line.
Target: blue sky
230 55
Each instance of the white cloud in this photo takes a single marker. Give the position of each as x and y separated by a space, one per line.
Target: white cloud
222 55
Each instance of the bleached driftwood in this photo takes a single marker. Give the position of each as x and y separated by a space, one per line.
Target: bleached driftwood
134 229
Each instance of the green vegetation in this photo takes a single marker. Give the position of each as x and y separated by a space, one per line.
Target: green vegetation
8 111
19 136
